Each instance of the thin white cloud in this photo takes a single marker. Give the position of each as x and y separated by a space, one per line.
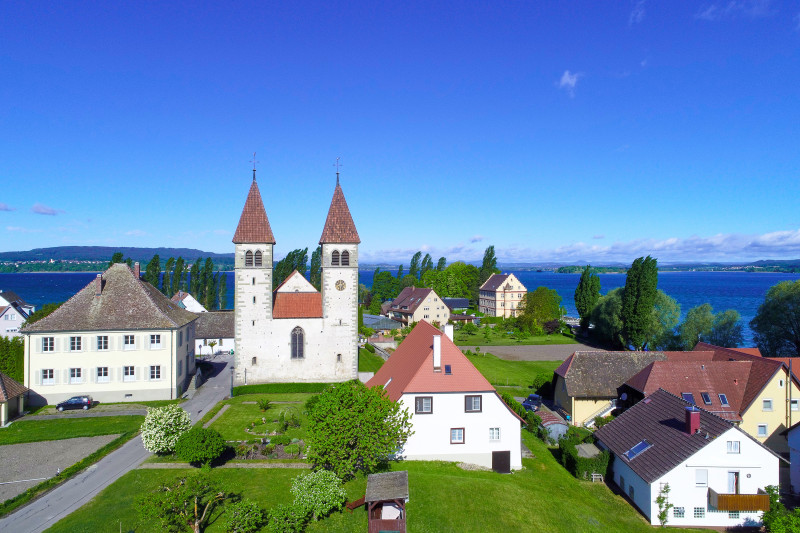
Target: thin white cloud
735 9
597 237
569 81
637 14
476 238
221 232
6 207
136 233
18 229
41 209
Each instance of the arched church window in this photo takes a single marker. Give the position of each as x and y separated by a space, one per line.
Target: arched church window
258 258
248 258
345 258
297 342
335 258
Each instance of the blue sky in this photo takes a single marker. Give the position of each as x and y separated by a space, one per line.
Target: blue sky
560 131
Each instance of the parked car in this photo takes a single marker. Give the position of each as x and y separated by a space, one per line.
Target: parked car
532 403
76 402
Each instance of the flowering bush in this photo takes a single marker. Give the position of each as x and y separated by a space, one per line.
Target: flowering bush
319 493
162 426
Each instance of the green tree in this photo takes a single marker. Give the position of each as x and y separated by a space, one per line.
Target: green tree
413 269
638 300
696 326
166 282
185 503
355 429
116 258
400 272
12 357
315 274
223 290
658 328
779 519
470 328
194 279
163 426
606 318
375 306
153 271
427 264
42 312
244 516
294 260
489 265
469 275
384 286
586 295
727 329
364 295
664 317
409 281
442 264
319 493
200 445
538 307
178 277
777 322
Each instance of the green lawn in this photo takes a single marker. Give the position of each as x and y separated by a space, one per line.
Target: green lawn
541 497
499 337
368 361
240 414
67 428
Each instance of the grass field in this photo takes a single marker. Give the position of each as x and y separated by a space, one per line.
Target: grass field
498 337
240 414
512 376
67 428
541 497
368 361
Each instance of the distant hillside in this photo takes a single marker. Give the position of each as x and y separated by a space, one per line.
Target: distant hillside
104 253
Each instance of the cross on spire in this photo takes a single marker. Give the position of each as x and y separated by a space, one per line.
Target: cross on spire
254 165
337 165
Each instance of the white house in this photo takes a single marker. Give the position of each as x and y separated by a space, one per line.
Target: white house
13 313
118 339
188 302
794 457
715 471
456 413
214 328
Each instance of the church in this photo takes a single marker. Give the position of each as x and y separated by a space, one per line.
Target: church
295 333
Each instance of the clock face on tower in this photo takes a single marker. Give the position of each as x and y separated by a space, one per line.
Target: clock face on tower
340 285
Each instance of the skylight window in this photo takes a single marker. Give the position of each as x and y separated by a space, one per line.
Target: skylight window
448 369
723 400
636 450
706 398
689 397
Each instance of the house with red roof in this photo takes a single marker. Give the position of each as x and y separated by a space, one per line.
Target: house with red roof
457 415
716 472
415 304
295 333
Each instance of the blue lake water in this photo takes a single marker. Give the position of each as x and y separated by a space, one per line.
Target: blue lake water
743 291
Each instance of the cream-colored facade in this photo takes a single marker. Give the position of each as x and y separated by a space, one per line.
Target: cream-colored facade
110 366
431 309
776 408
580 410
501 295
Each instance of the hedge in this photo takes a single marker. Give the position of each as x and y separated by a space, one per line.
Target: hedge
532 420
274 388
581 467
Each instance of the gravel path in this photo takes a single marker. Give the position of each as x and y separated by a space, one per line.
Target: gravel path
548 352
33 460
86 414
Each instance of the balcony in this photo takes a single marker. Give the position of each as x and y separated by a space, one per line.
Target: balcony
738 502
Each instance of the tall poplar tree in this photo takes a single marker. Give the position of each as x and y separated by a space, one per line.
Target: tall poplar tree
399 272
153 271
586 295
489 265
194 279
427 264
207 284
315 274
166 283
223 290
178 277
294 260
413 269
442 264
638 301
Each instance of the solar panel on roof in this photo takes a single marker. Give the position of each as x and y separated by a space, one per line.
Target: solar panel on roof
636 450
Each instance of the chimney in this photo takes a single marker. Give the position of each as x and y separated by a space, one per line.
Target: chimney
437 353
98 285
448 330
136 269
692 420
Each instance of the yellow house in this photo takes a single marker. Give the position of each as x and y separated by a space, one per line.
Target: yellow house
415 304
500 295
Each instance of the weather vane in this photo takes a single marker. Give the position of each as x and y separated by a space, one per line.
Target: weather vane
254 165
337 165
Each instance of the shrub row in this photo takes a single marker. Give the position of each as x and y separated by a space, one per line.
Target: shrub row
532 420
581 467
370 348
274 388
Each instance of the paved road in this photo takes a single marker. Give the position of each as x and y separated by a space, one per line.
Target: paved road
73 494
548 352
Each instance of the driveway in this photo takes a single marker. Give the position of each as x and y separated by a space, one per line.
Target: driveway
74 493
548 352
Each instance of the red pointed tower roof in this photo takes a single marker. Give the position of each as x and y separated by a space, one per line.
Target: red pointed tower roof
339 226
253 224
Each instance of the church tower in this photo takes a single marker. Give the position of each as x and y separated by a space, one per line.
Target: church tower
340 242
253 273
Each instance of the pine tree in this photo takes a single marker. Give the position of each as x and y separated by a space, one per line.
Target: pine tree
586 295
223 290
153 271
315 275
166 283
638 301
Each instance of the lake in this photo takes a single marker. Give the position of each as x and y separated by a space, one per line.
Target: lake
743 291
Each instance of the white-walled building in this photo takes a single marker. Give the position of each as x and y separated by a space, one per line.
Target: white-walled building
794 457
118 339
217 328
716 472
415 304
456 413
14 311
296 333
188 302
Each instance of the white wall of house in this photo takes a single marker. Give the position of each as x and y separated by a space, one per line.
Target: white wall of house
140 371
223 345
10 322
431 440
757 468
191 304
794 458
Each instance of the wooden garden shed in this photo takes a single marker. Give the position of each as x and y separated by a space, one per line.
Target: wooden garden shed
386 499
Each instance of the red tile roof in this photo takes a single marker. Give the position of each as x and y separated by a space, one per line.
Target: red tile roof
410 367
253 224
695 377
339 227
296 305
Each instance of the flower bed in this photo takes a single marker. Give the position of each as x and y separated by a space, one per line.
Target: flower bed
275 448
